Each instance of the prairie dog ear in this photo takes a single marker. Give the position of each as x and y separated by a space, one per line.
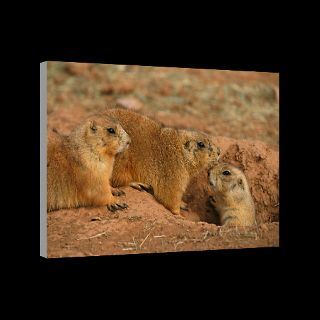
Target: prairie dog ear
240 183
188 152
93 125
188 145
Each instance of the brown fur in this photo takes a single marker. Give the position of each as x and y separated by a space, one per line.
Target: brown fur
80 165
164 158
232 197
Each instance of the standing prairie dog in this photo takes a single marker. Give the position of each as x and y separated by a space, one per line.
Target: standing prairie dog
80 165
232 197
163 159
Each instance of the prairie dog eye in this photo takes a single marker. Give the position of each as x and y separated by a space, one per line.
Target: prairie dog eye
111 130
226 173
200 144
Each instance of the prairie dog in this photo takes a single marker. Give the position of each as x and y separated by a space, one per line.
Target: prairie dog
80 165
232 197
161 158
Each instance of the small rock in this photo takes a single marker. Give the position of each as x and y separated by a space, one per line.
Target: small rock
130 103
118 87
123 87
77 68
96 219
107 89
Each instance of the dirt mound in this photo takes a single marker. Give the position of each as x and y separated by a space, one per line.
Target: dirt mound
261 167
146 226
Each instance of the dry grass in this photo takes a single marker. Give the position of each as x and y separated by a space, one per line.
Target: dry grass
105 233
248 101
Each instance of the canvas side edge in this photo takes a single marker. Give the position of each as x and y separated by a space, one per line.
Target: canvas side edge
43 160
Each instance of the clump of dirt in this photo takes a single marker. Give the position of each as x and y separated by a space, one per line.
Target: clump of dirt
117 87
77 68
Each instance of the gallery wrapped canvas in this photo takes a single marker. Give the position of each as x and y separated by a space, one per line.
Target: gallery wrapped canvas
141 159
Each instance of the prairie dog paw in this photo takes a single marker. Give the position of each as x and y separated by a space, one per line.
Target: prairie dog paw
184 206
117 206
211 201
141 186
118 192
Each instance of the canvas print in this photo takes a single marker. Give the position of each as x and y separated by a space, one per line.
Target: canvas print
142 159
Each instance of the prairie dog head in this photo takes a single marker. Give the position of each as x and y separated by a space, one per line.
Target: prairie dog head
225 178
232 195
198 149
105 136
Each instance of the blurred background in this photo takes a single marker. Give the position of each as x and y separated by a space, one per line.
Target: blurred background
235 104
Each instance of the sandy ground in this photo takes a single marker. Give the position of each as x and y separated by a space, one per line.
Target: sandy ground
238 109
